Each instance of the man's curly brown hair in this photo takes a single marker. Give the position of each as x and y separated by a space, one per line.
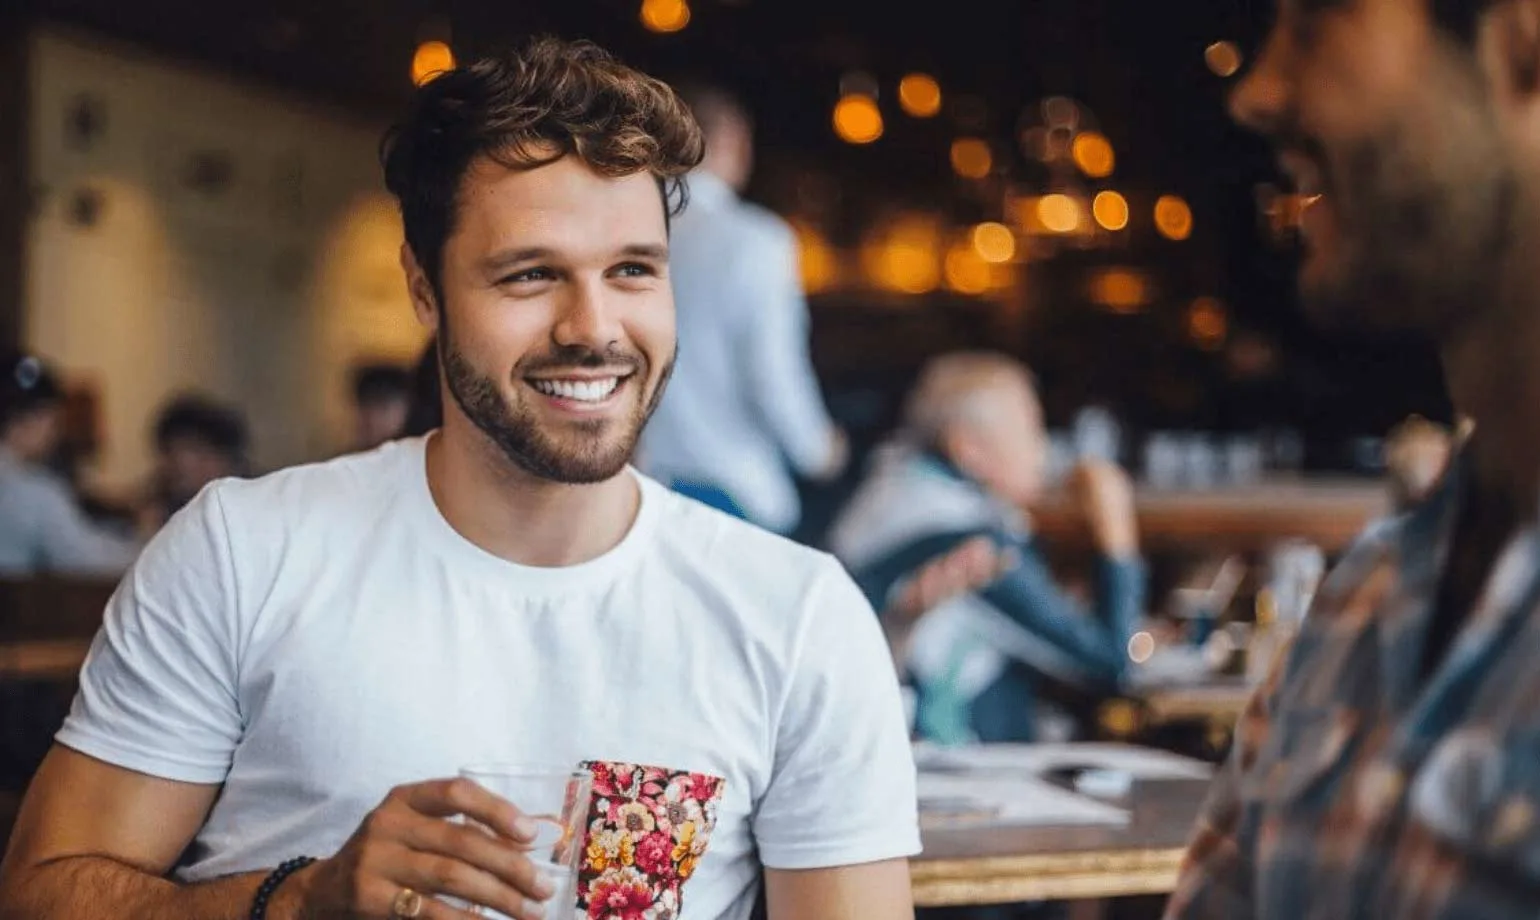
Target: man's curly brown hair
525 109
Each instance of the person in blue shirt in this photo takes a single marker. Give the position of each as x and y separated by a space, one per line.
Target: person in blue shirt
971 456
42 527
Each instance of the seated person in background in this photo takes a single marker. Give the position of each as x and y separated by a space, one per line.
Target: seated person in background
382 398
971 458
197 440
42 527
425 413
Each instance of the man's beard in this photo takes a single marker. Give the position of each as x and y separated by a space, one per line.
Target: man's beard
592 453
1424 217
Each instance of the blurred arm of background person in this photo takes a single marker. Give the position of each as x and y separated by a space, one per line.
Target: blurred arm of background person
42 526
968 568
1105 496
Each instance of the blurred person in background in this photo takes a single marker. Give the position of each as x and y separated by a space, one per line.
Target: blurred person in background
42 526
382 402
744 411
1389 766
970 460
426 412
198 440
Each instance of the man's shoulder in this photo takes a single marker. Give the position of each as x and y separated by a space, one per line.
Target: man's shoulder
728 550
312 490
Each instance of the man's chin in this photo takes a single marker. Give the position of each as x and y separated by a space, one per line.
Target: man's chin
577 464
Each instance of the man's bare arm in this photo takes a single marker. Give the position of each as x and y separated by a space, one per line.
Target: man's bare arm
95 840
875 891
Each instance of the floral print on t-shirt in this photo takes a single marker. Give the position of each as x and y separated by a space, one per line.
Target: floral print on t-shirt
648 827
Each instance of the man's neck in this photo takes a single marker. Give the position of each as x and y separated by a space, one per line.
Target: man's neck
520 517
1493 374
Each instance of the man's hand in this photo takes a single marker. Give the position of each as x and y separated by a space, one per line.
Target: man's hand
838 459
967 568
407 842
1417 453
1106 497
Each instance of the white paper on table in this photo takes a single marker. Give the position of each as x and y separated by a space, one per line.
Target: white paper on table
1038 759
1014 800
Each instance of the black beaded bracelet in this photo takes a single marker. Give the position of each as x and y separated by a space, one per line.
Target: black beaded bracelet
271 883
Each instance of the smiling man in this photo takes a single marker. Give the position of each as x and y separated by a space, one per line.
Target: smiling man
1390 765
298 664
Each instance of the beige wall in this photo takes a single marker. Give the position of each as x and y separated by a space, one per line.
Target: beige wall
264 293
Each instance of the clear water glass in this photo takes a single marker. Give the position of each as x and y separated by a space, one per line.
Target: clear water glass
557 800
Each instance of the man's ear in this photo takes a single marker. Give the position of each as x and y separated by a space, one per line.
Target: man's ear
424 302
1509 45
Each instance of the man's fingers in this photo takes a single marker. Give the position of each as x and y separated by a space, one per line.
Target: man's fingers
500 858
461 797
443 875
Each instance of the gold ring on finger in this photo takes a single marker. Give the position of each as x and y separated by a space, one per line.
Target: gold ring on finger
406 906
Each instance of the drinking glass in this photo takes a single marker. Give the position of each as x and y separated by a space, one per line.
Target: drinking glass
556 799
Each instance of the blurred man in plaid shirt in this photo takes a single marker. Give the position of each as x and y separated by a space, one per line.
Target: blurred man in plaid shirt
1390 766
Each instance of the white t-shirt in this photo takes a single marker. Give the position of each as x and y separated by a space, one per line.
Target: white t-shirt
313 638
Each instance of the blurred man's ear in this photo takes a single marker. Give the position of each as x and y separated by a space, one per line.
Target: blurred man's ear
1508 44
424 303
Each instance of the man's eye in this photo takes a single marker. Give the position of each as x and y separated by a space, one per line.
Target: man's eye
528 275
635 270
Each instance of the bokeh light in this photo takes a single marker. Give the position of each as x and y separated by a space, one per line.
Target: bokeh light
431 59
971 158
966 271
857 120
904 255
1207 323
1061 112
817 259
1223 58
665 15
920 95
1059 213
1173 217
1121 290
1093 153
1110 210
994 242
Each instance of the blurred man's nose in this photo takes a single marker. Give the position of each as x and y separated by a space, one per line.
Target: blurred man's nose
1261 99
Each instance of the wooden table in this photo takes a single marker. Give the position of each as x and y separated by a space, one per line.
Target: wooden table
42 659
1327 512
1002 865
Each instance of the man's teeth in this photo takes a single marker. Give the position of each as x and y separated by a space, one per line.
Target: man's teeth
580 390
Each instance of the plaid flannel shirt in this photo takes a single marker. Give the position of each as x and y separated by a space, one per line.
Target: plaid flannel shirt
1355 790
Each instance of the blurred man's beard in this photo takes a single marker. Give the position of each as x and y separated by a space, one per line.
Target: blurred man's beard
1424 213
587 452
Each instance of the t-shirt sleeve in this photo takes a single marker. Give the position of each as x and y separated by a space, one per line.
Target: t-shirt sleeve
158 690
843 788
